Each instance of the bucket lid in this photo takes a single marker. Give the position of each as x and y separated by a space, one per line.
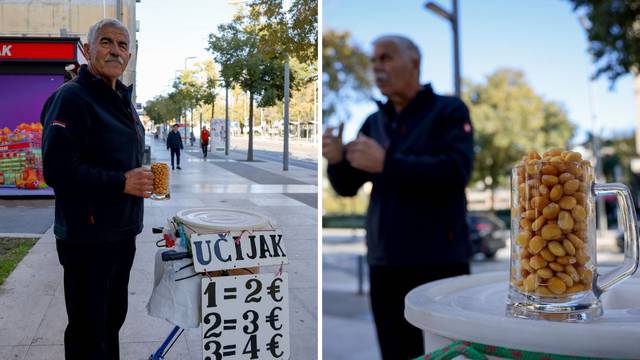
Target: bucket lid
207 220
472 308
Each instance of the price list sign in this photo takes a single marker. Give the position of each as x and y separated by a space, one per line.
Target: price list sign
245 317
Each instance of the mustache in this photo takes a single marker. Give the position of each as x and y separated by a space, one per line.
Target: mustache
381 76
113 58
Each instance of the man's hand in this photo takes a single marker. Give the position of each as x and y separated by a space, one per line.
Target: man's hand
139 182
366 154
332 145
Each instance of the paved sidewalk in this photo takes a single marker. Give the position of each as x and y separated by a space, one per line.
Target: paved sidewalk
32 312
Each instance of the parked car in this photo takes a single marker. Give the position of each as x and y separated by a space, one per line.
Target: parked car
486 233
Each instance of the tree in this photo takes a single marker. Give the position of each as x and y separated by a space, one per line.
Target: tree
236 48
614 35
208 72
510 119
345 73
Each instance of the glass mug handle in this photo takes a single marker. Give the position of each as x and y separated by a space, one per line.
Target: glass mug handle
629 221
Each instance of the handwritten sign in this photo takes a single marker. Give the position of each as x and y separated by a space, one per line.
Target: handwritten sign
233 250
245 317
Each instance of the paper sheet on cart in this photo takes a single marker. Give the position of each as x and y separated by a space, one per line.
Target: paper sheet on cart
172 299
233 250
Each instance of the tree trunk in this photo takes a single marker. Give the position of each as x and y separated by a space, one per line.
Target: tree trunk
250 149
213 107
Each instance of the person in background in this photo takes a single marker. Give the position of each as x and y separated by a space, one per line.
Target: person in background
417 150
174 144
93 144
204 141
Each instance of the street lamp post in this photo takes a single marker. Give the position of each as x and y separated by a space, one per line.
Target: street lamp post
452 17
185 118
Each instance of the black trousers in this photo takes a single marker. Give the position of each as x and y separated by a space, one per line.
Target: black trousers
175 152
204 145
398 339
96 279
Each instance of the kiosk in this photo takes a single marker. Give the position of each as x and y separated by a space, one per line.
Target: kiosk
31 69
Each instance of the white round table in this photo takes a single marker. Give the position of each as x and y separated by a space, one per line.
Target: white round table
472 308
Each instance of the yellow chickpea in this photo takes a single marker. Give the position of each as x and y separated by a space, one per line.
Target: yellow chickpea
543 291
556 267
564 177
549 170
547 255
530 214
538 223
578 212
557 286
572 156
523 238
571 271
582 257
530 283
565 221
567 202
549 180
566 279
537 262
543 190
568 246
571 186
551 211
551 232
566 260
545 273
539 202
556 248
556 193
553 152
536 244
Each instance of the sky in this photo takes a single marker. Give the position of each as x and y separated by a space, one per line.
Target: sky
543 38
170 32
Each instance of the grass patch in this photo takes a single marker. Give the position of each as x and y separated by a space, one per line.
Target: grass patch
12 250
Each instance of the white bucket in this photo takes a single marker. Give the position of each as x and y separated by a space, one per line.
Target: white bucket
179 302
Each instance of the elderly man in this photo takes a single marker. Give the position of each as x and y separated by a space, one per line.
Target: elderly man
92 155
417 150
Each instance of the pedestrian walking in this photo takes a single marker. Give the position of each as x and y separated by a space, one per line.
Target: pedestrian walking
417 150
204 141
174 144
93 144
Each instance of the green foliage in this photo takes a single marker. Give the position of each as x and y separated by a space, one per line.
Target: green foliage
509 119
287 33
345 73
614 35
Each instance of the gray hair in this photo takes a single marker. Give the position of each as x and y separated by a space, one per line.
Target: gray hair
106 22
408 48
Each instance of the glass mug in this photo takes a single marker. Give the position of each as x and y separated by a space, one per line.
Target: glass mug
553 240
160 173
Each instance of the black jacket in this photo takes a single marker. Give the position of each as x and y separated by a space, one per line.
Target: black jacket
174 141
417 209
92 136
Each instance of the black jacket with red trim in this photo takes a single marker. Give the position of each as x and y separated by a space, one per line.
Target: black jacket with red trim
92 135
417 210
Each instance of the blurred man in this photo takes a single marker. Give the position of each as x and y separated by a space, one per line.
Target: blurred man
417 150
174 144
92 146
204 141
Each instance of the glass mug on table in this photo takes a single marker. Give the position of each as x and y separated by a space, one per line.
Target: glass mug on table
553 238
160 173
